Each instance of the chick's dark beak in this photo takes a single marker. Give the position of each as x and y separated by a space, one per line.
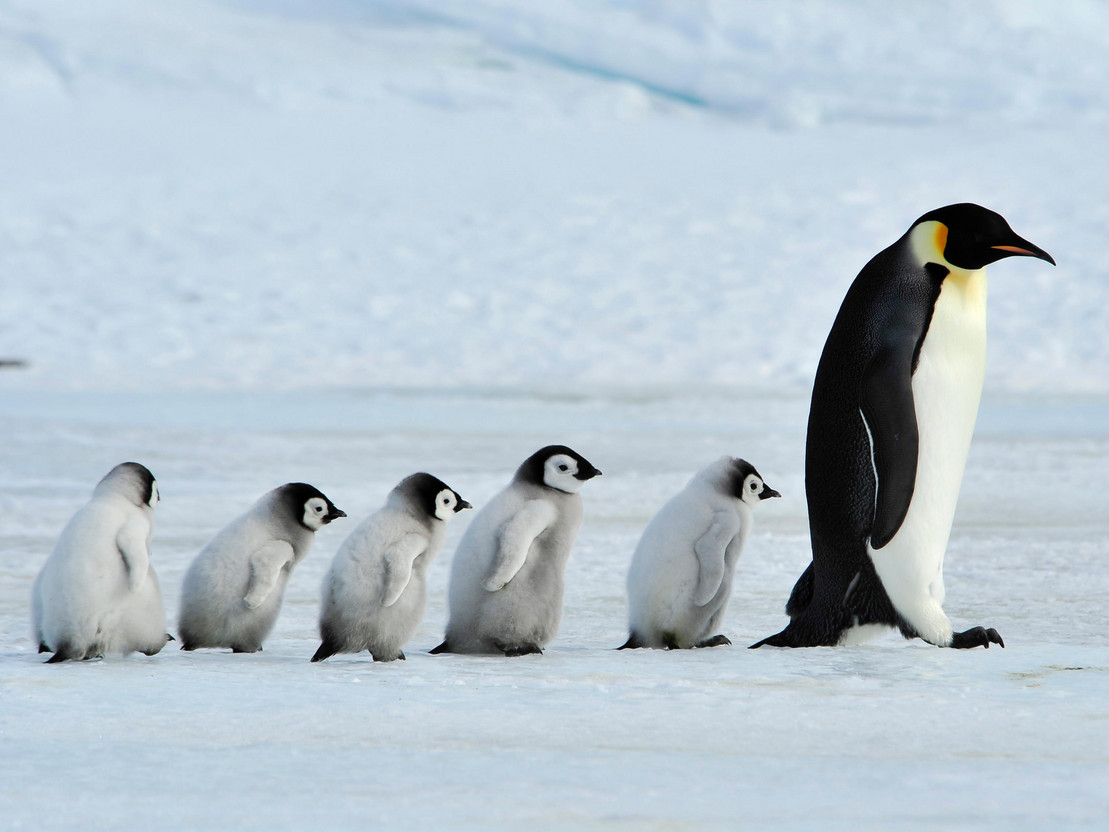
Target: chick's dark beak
587 472
768 492
334 514
461 505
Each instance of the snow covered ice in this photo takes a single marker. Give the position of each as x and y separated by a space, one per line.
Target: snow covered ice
246 243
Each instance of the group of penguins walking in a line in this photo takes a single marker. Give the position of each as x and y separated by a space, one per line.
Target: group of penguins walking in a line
893 409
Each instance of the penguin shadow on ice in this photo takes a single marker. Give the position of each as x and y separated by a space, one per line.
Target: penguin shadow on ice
507 577
97 593
375 591
680 579
893 408
233 590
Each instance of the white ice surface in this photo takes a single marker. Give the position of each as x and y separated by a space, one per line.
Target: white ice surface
887 735
246 243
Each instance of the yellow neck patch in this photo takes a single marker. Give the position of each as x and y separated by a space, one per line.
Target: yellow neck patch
941 237
928 241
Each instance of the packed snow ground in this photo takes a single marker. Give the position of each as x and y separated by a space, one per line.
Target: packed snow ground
246 243
887 735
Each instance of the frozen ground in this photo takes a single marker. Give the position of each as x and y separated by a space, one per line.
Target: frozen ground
888 735
341 241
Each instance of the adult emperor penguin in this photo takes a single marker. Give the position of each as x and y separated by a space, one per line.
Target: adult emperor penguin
375 591
680 578
893 408
233 589
507 575
97 592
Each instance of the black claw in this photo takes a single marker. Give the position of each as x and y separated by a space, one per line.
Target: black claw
521 650
976 637
634 642
325 651
716 641
399 657
64 653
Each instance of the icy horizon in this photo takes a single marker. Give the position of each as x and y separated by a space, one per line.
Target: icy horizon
466 195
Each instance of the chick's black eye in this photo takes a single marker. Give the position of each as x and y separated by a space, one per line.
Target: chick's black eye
563 467
754 487
319 509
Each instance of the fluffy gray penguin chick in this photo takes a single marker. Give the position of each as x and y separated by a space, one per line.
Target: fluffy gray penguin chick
507 575
97 593
680 578
375 592
234 588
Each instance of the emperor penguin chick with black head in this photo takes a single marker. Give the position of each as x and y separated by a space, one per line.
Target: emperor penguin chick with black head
507 576
375 592
893 409
234 588
680 578
97 592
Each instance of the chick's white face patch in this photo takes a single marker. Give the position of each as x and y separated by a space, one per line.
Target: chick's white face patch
752 488
445 504
560 471
315 510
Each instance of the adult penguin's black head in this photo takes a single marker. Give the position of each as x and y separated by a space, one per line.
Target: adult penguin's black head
970 236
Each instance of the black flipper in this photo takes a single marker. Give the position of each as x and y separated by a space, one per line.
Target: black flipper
43 648
890 413
445 647
634 642
716 641
976 637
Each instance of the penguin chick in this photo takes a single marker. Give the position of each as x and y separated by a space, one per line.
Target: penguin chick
97 593
375 592
507 576
233 589
893 410
680 578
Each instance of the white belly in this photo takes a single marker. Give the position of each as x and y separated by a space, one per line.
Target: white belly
947 387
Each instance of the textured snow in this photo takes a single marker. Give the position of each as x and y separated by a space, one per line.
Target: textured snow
252 242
